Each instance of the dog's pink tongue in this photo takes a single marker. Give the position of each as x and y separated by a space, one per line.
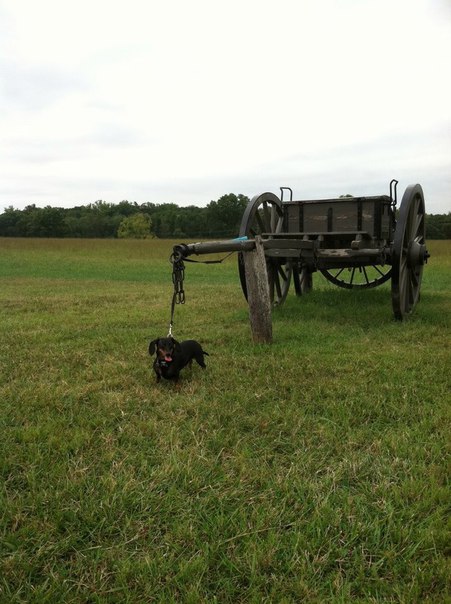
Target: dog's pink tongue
167 358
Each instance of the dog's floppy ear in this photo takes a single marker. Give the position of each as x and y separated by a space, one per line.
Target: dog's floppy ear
152 346
177 346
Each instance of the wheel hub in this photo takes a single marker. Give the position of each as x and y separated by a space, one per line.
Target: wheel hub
417 254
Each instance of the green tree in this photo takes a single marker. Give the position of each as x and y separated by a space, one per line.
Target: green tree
164 219
224 216
438 226
136 226
191 221
9 223
42 222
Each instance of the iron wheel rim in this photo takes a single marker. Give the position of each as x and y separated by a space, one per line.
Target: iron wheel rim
409 252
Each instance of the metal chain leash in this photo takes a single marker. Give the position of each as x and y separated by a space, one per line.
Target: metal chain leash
178 276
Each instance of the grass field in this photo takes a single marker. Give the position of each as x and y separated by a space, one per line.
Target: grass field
311 470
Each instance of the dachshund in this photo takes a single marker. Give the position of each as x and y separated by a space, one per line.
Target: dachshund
173 356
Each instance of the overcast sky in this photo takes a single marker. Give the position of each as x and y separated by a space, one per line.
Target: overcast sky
186 100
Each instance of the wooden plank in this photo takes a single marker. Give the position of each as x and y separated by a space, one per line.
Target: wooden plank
285 253
290 244
258 296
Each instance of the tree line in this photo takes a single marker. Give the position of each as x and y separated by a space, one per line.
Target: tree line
221 218
438 226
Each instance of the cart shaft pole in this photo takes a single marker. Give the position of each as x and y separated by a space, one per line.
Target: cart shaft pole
214 247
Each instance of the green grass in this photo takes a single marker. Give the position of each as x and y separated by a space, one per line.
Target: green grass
311 470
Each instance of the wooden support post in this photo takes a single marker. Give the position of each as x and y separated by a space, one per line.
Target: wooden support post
258 293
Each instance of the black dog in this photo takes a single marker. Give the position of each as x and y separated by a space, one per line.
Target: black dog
172 356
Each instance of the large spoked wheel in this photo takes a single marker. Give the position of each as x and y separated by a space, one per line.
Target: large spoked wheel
358 277
264 215
409 252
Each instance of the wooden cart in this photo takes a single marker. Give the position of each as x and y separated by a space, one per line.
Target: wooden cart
355 242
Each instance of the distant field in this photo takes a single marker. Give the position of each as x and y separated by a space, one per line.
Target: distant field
311 470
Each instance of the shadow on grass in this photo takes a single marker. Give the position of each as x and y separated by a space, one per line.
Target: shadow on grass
338 305
363 308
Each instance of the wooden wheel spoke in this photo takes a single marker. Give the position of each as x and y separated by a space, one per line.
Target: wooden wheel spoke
277 284
271 284
403 285
414 278
411 289
365 274
378 269
282 272
410 222
417 225
419 239
261 224
267 218
273 219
